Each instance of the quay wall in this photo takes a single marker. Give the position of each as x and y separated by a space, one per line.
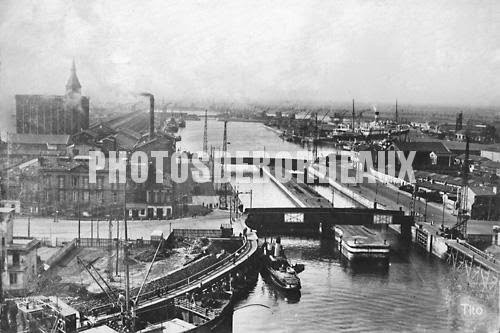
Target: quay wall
430 242
282 187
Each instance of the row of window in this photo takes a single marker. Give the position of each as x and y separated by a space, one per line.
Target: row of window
83 196
157 197
78 181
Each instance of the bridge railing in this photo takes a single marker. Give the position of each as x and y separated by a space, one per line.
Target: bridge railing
476 251
159 292
197 276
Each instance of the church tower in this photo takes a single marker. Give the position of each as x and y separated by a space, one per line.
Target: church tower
73 85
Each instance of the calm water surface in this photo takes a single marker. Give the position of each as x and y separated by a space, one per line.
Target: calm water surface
416 293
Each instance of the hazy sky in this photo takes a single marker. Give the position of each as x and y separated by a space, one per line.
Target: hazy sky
423 51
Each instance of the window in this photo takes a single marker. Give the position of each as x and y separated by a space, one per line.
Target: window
98 196
13 278
15 259
75 181
85 181
86 196
100 182
115 197
60 181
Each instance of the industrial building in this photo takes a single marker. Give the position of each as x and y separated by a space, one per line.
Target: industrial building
51 114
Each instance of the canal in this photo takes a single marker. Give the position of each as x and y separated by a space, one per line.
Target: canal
416 294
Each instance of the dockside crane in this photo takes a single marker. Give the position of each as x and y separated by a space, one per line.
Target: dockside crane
223 198
463 216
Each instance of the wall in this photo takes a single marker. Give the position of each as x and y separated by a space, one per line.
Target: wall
492 155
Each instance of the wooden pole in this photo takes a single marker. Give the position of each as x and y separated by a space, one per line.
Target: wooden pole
117 244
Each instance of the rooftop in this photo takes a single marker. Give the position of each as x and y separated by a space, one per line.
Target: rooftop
481 227
482 190
423 146
23 244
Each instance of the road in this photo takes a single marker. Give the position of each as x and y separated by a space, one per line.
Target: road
65 230
392 198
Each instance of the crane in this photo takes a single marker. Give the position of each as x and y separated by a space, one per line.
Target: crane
94 274
460 228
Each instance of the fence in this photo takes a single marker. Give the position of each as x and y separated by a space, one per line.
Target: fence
106 242
476 251
197 233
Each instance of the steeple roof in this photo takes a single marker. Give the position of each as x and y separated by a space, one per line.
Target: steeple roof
73 84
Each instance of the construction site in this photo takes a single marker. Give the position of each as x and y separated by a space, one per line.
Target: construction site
93 274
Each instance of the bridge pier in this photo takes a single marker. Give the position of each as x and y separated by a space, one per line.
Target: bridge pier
406 231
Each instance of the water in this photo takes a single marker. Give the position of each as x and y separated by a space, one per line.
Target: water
416 293
413 295
242 136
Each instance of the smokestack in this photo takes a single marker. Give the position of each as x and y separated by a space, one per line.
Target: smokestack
396 111
151 113
151 116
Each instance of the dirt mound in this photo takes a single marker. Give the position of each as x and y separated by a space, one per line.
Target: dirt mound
148 254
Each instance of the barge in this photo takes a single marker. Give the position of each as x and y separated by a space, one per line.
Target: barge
358 243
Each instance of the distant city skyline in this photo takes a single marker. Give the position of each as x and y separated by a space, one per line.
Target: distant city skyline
419 52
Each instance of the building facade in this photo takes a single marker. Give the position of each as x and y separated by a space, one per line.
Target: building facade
50 114
18 255
61 187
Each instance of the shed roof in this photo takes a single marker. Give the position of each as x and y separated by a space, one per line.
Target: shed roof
423 146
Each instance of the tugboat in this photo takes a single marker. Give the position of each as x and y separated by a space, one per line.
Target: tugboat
280 271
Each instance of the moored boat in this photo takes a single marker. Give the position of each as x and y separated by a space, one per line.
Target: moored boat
357 243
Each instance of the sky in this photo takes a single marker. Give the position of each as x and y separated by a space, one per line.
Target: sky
425 51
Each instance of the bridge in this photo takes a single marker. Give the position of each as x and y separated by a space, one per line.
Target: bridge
313 221
296 164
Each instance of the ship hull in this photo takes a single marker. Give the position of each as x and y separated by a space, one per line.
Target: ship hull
361 252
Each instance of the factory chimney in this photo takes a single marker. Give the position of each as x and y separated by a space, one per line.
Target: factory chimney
151 116
151 113
458 123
